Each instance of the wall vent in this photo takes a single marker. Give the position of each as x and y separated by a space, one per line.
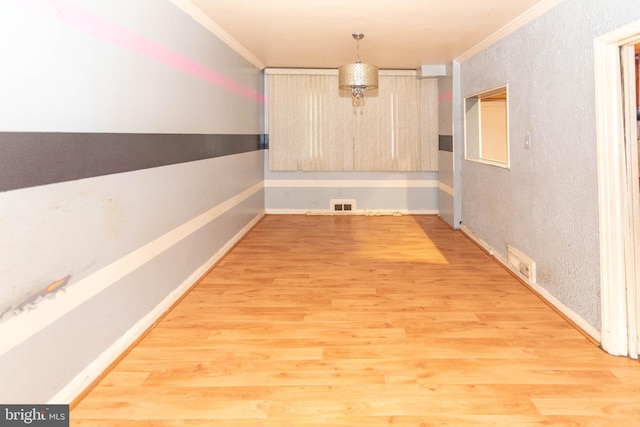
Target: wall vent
342 205
524 266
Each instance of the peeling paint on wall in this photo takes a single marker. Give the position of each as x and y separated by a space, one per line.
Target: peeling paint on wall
32 301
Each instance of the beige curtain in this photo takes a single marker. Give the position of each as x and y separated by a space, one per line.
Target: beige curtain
314 127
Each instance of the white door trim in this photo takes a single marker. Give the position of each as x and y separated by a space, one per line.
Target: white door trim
615 215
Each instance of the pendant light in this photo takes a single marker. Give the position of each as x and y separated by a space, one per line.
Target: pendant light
358 77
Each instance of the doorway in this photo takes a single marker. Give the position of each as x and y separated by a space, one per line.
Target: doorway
618 189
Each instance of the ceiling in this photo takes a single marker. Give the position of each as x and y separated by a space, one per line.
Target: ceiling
401 34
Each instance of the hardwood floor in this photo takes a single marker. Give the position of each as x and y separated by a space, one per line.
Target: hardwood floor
362 321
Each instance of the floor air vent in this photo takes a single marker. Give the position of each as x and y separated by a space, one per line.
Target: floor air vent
522 264
342 205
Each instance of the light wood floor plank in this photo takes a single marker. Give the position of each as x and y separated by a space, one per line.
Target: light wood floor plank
348 321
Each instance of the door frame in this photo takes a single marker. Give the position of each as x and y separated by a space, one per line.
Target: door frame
617 216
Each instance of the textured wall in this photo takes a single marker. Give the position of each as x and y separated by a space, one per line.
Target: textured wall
546 205
124 244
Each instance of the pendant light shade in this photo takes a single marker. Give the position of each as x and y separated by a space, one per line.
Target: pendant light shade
358 77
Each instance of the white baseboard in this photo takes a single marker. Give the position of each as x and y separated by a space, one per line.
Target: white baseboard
84 379
363 212
542 292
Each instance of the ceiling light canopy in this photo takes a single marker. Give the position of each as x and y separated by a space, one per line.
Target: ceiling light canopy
358 77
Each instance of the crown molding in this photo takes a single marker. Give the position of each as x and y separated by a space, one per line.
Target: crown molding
199 16
528 16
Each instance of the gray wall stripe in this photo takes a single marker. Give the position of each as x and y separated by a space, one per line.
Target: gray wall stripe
28 159
445 143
